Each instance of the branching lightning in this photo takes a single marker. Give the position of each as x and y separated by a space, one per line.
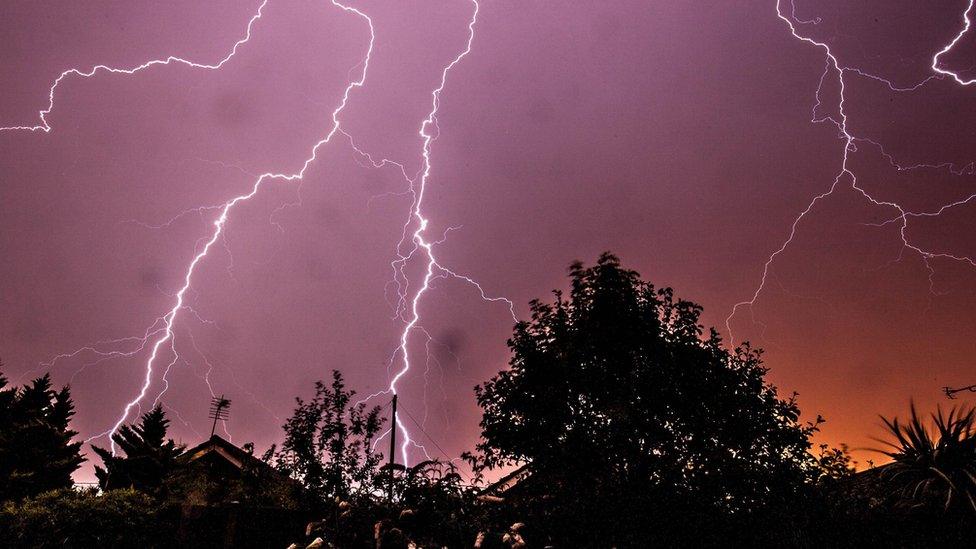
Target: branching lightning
414 243
935 59
170 317
166 335
901 214
161 334
42 115
417 242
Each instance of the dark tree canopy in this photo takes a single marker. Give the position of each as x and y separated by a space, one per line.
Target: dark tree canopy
147 459
328 443
36 451
618 402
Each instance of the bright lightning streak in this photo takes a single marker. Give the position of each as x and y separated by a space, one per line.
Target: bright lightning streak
950 45
409 309
417 215
170 317
834 66
848 140
162 332
45 127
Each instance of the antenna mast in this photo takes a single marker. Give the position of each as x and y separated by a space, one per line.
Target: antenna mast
219 411
951 392
393 430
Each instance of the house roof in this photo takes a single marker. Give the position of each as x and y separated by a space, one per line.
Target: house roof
506 483
226 451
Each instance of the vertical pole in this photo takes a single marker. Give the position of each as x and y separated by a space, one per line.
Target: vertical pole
393 430
216 415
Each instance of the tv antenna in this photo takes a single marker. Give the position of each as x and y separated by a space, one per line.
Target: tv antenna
950 392
219 411
393 430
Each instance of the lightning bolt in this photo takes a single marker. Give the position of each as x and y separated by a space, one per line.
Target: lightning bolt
416 240
166 335
935 58
219 224
42 115
162 335
902 214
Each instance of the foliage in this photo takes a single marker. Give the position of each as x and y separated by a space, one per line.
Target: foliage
73 518
149 456
438 508
36 451
431 507
328 444
835 464
933 468
628 416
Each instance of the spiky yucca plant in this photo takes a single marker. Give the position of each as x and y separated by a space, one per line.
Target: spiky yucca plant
933 466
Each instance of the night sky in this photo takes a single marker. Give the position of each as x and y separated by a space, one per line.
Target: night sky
686 137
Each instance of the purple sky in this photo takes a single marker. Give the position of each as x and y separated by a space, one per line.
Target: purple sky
676 134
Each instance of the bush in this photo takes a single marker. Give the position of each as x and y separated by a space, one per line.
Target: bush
84 518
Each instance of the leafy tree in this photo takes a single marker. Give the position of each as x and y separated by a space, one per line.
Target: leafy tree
328 443
933 468
633 422
36 450
149 456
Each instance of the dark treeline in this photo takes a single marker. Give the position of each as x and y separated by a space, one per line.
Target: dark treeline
620 422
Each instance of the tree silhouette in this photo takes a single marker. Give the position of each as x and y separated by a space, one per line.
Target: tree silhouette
328 443
36 451
149 456
631 420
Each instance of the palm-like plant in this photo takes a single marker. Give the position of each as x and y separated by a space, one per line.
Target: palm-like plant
933 466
